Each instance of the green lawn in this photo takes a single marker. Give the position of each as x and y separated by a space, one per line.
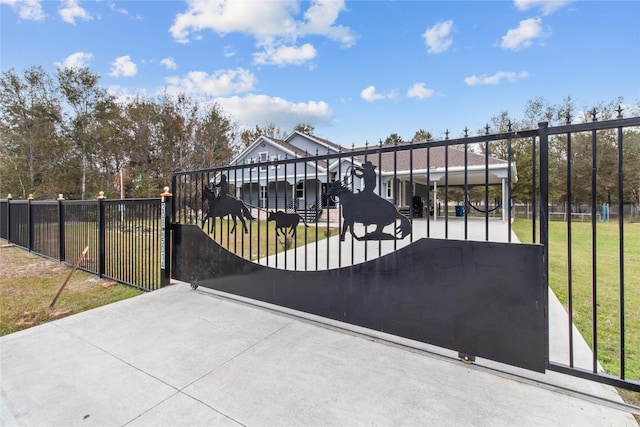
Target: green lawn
261 241
608 286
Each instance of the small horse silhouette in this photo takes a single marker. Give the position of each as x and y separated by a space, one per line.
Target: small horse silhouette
223 206
284 220
369 209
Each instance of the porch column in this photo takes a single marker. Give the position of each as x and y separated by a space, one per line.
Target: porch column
505 202
435 200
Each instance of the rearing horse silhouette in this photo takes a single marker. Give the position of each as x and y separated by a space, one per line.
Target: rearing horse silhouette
223 206
369 209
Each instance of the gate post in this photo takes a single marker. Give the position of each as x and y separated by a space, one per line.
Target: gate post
543 134
165 237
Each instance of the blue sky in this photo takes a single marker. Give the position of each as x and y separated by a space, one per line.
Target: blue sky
356 70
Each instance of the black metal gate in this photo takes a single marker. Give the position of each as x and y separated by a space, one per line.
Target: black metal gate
455 277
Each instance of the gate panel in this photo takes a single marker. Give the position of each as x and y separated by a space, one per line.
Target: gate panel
482 299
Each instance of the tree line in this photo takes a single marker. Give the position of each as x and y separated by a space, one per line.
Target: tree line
579 150
64 133
576 152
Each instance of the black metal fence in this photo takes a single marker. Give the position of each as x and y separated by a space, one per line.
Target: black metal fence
465 189
127 239
597 283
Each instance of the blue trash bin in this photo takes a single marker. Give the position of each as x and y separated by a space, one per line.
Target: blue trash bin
459 210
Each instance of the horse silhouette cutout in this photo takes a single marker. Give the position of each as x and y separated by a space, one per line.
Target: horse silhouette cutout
286 220
368 208
219 207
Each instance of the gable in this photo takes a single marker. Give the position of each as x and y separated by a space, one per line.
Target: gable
311 144
263 149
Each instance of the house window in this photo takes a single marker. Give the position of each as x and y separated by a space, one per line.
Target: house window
333 176
300 190
389 194
264 156
273 159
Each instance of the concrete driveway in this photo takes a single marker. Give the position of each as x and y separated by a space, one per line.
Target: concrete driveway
178 357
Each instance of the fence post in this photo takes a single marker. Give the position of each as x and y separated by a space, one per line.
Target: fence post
101 235
61 236
9 198
29 224
165 237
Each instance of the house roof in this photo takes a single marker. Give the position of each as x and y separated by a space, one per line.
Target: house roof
443 161
286 146
318 140
437 156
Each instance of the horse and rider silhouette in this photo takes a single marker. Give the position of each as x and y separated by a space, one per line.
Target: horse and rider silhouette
368 208
222 205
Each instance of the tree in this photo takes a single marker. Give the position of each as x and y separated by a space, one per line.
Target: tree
30 120
248 136
143 152
80 89
421 135
305 128
214 139
112 147
394 138
178 121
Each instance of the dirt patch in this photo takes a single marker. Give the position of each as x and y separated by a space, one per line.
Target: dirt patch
29 283
17 263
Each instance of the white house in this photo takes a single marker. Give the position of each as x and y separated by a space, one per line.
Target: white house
402 174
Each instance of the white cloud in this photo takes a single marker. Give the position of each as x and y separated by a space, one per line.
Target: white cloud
285 55
71 10
228 51
273 24
419 90
124 95
369 94
261 19
220 83
123 67
30 10
76 60
320 18
254 110
546 6
120 10
169 63
496 78
437 38
527 31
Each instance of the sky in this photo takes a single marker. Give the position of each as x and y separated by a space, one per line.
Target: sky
357 71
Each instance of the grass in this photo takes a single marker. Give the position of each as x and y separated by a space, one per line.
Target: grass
606 271
261 240
28 284
125 246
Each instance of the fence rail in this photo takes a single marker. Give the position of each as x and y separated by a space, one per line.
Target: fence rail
125 237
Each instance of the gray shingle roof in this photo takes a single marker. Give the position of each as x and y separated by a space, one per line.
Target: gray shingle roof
437 155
